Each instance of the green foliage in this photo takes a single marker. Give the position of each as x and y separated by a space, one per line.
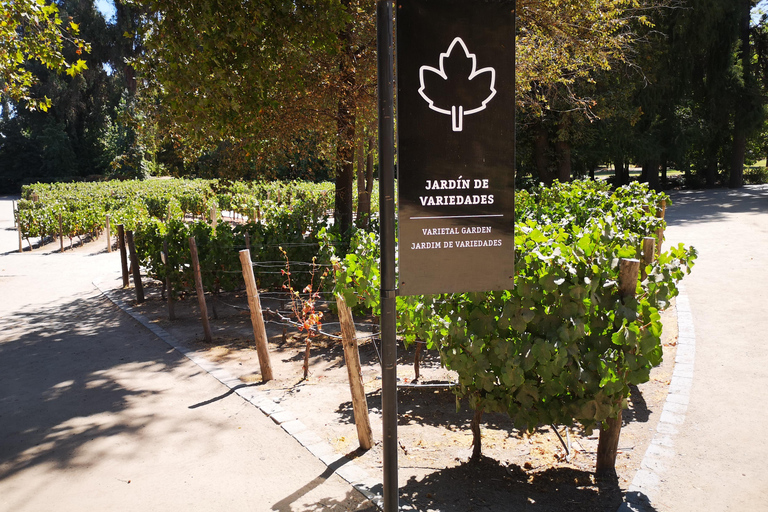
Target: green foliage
291 215
755 175
33 31
67 141
562 346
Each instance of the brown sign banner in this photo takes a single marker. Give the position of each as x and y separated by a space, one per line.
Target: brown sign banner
456 145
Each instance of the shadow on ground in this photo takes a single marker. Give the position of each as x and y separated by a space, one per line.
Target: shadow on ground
58 381
697 206
328 504
487 485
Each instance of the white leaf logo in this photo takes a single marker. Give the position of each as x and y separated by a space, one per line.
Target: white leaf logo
457 88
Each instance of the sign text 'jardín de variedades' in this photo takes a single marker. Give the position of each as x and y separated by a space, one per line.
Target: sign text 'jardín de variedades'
456 145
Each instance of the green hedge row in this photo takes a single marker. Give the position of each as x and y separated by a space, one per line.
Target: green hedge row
84 206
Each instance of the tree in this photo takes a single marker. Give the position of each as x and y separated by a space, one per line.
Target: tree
69 139
564 48
748 115
32 31
258 76
250 75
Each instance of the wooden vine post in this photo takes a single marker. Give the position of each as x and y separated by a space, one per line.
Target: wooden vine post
355 374
214 217
257 318
660 213
168 287
649 254
200 290
109 235
61 234
608 443
123 254
135 266
21 236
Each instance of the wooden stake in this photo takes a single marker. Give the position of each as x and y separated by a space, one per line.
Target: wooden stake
61 234
168 287
660 213
257 318
477 438
214 217
355 374
248 241
123 255
649 254
21 247
608 442
200 290
109 235
135 266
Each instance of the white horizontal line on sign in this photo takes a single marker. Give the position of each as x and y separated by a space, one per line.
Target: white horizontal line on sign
456 217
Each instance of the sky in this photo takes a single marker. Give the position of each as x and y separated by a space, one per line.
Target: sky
106 8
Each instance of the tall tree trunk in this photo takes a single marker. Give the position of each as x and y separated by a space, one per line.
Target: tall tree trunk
364 207
541 153
621 172
364 164
345 124
360 171
563 149
651 171
686 168
710 171
736 178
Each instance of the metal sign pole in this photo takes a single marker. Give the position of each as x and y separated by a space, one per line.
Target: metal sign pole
386 84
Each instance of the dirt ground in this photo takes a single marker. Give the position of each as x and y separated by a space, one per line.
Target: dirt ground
518 471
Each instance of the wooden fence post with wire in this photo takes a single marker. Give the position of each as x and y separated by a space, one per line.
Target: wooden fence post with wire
200 290
168 286
135 266
257 318
648 255
355 374
61 234
17 216
109 234
660 213
123 254
608 441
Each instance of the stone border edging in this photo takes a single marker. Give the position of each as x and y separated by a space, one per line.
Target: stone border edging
356 476
645 484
